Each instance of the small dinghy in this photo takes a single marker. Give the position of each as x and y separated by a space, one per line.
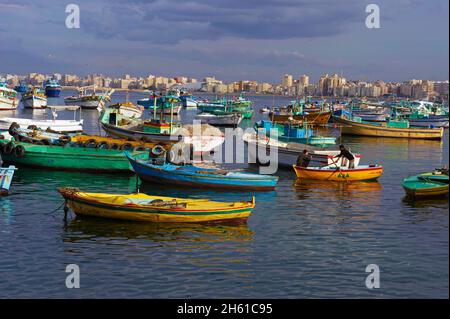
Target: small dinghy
333 173
147 208
427 184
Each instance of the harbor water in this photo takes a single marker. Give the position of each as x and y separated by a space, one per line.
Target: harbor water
303 240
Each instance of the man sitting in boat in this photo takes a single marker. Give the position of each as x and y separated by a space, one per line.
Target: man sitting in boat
304 159
349 156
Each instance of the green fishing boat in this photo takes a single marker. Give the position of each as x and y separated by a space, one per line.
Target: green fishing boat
426 185
68 157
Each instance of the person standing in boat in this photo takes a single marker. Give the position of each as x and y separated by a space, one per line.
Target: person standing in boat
304 159
349 156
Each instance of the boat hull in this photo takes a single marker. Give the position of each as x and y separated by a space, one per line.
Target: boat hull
287 155
139 213
315 118
85 103
72 158
8 104
34 102
218 120
151 174
6 176
336 174
418 186
52 91
362 129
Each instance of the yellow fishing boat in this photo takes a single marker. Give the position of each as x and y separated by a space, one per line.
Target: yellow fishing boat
147 208
350 127
333 173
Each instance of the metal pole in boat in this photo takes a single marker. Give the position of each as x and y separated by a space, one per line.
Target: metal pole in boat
154 106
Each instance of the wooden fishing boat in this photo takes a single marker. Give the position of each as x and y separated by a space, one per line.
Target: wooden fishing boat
8 98
148 208
190 175
314 118
34 99
71 156
293 132
203 137
333 173
232 119
6 176
128 109
426 185
286 154
389 129
93 100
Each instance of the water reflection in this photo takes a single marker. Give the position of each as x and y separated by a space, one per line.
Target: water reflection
6 211
82 229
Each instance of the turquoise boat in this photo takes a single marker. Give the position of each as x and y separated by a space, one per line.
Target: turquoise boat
301 133
426 185
193 176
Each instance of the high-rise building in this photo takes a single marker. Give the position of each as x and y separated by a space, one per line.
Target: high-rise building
287 81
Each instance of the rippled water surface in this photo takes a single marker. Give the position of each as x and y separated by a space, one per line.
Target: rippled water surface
303 240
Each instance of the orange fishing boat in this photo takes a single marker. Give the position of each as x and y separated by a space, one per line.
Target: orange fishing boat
333 173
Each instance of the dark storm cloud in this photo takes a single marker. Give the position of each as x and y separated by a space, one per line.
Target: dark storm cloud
169 21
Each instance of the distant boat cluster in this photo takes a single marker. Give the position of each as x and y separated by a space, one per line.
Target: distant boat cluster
157 151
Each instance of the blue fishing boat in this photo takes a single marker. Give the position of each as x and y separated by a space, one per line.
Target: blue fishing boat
52 88
6 176
193 176
295 133
22 87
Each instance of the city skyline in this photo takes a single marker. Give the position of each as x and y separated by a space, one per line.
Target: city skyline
228 39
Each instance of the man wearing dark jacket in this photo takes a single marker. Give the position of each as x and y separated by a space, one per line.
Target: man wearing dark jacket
346 153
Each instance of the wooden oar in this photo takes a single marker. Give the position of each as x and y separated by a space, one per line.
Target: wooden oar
339 169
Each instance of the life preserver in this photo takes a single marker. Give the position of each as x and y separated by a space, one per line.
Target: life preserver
8 148
45 141
65 138
13 127
19 151
32 127
104 145
92 143
126 147
158 150
115 146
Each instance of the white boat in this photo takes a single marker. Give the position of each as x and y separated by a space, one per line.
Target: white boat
220 120
6 176
289 152
190 104
129 109
89 100
8 98
53 125
34 99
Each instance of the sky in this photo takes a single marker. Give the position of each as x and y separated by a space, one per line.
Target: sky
229 39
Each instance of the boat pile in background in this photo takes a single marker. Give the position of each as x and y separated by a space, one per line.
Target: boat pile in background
160 150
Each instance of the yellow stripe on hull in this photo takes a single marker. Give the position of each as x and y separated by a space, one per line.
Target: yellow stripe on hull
87 210
339 175
436 191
